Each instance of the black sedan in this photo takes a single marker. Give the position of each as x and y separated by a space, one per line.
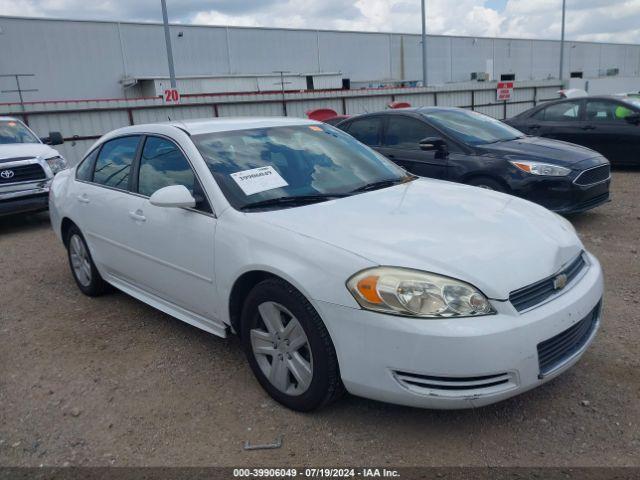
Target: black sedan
609 125
468 147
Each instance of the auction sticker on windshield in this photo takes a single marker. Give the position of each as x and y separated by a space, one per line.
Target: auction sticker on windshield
258 180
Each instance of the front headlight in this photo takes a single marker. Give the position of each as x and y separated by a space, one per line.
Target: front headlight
56 164
401 291
537 168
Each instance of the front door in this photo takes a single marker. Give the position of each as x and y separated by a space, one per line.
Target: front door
401 145
175 246
610 134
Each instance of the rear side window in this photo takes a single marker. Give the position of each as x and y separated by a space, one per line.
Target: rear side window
366 130
407 133
163 164
113 166
560 112
85 169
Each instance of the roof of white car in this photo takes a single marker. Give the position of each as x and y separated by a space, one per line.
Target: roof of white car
212 125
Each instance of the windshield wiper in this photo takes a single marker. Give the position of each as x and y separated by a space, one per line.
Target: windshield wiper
292 201
384 184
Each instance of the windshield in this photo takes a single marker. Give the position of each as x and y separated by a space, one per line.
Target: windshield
15 132
472 128
255 165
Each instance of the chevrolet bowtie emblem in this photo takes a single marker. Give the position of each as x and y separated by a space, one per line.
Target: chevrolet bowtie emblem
560 282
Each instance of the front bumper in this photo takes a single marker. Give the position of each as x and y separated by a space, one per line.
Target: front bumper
22 201
377 352
564 195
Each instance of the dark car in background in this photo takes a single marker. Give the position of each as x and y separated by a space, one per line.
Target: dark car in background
467 147
609 125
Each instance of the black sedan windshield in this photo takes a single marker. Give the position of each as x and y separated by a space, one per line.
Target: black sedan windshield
14 132
472 128
256 166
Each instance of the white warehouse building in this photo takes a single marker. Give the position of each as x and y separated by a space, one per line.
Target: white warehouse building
70 59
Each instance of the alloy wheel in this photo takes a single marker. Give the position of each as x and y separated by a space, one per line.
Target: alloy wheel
281 349
80 260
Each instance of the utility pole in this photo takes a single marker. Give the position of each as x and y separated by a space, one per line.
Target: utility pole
282 84
564 13
19 90
167 39
424 44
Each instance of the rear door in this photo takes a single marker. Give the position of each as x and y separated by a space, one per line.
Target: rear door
401 138
609 132
103 202
560 121
367 130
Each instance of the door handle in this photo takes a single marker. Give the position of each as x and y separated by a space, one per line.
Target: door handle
534 127
84 198
588 127
390 155
138 216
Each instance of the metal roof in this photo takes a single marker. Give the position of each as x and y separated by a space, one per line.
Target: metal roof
385 32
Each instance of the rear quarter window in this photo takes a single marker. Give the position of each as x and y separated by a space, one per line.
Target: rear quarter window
84 171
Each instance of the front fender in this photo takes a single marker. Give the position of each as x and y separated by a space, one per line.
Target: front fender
317 269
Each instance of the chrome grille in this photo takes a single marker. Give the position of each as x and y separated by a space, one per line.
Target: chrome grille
21 173
594 175
555 351
538 292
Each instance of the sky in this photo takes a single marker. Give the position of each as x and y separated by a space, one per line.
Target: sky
594 20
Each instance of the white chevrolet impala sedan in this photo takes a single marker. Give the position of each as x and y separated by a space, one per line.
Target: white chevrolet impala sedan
337 269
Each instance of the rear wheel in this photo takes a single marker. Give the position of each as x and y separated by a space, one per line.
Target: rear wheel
487 183
289 348
83 269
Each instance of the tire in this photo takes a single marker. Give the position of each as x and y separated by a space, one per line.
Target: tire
304 376
83 269
487 183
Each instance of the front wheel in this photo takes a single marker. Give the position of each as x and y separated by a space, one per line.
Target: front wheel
288 347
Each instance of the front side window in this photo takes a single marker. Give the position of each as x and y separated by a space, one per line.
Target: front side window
603 111
366 130
113 166
562 112
407 133
307 160
163 164
471 128
12 131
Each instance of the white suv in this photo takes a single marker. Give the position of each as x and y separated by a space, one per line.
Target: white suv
27 166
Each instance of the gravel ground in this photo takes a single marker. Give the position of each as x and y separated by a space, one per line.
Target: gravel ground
111 381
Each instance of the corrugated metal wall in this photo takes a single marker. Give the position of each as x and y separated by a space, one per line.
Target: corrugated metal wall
88 59
81 123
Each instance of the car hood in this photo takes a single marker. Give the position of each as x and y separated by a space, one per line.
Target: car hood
540 149
497 242
29 150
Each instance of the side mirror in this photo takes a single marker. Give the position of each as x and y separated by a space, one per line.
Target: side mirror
634 118
433 143
173 196
54 138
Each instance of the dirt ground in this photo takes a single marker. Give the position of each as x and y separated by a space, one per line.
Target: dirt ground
111 381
